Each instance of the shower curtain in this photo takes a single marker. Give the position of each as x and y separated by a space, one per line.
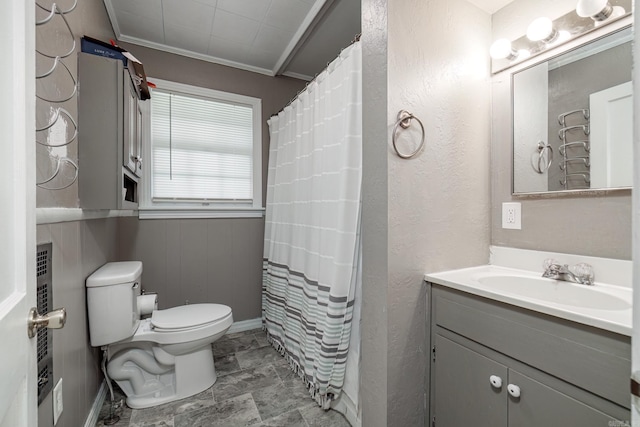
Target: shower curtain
311 248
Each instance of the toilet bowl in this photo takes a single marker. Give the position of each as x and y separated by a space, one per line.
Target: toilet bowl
164 357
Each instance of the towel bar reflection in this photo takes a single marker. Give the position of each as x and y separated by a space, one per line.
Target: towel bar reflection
585 145
584 176
562 132
542 166
404 121
562 118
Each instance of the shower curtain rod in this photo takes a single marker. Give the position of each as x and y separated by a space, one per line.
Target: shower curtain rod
355 39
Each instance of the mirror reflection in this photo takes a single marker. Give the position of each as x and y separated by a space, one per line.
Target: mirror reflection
572 119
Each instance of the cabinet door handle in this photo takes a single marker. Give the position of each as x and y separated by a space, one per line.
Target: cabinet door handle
495 381
513 390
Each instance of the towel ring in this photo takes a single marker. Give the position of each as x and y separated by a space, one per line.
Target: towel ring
404 121
542 167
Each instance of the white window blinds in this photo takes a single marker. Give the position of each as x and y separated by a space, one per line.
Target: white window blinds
202 148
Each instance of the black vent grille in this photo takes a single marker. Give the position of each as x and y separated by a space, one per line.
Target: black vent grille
45 381
42 262
43 334
44 305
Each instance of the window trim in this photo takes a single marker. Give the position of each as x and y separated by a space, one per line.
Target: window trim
150 209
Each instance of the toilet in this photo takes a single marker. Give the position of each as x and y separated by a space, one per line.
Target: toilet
158 358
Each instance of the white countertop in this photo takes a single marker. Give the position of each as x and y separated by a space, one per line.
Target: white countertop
614 320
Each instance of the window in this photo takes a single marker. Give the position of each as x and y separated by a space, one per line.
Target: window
204 154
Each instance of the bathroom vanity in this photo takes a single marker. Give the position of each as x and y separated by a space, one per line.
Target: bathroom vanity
496 361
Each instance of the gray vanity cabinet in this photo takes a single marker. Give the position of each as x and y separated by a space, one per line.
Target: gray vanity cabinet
109 135
463 393
495 365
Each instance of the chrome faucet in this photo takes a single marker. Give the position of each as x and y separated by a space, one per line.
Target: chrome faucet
581 273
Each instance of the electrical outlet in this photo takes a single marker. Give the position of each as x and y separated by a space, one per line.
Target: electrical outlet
511 216
57 401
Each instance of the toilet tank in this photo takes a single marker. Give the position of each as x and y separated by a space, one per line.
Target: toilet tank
112 292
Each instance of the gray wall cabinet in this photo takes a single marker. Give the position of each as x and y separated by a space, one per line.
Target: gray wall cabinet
496 365
109 117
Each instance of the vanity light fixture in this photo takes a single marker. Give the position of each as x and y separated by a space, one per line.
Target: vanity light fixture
501 49
541 30
598 10
544 34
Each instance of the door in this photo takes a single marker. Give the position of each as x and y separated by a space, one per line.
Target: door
18 400
466 389
132 117
611 152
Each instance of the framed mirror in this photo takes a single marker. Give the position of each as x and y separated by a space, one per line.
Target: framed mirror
572 119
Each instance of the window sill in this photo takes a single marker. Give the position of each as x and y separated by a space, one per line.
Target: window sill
200 213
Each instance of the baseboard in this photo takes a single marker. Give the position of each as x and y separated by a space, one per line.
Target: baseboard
245 325
348 408
92 418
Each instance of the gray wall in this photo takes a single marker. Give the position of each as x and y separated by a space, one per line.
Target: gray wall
199 260
79 248
429 213
206 260
89 18
593 225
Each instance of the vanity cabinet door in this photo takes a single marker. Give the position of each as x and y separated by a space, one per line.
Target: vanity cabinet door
542 406
464 392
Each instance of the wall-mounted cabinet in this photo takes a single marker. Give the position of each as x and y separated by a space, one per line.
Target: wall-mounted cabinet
110 135
496 365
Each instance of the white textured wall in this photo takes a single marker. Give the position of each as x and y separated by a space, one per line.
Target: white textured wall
593 225
437 204
373 344
438 201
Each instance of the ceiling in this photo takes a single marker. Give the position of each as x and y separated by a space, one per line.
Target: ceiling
291 37
296 38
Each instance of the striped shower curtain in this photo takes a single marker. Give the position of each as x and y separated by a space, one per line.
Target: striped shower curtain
312 225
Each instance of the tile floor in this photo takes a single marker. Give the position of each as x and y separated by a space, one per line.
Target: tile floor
255 387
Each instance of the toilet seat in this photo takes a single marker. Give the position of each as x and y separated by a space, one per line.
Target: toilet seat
186 317
184 324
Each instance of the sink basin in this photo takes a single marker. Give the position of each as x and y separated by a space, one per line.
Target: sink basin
554 291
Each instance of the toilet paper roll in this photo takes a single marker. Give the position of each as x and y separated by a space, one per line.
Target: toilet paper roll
147 303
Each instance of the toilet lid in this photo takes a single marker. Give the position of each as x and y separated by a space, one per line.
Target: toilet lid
187 316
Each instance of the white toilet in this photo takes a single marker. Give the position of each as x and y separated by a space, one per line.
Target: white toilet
158 359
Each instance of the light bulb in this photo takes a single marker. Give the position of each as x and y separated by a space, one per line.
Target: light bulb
541 29
598 10
563 36
501 49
